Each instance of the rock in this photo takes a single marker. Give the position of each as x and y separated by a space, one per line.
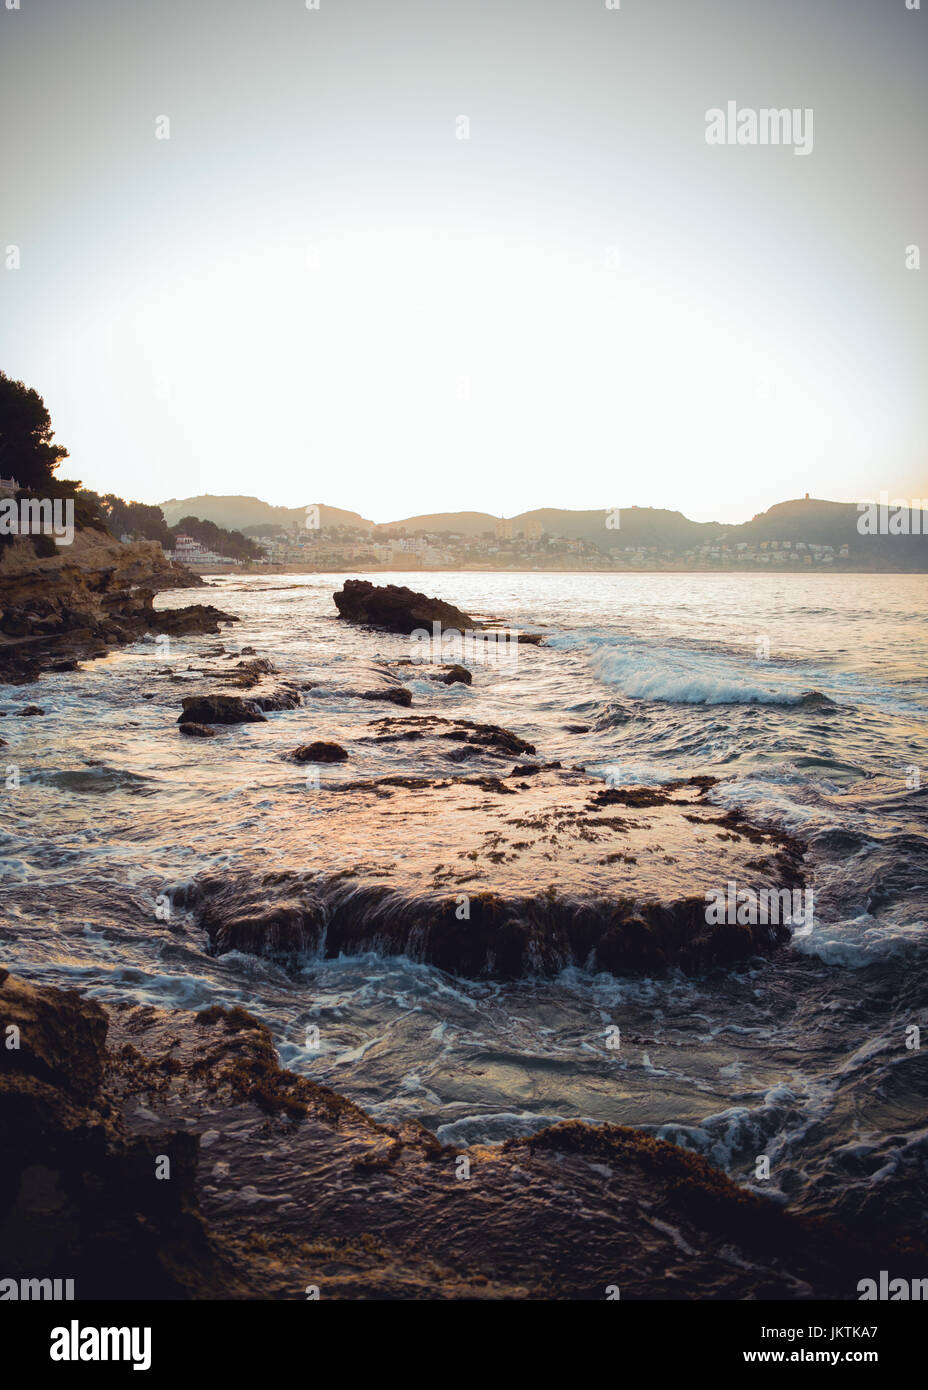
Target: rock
95 1094
252 676
505 635
282 697
68 606
29 710
396 608
247 651
530 769
245 674
319 752
76 1185
181 622
394 695
556 871
220 709
477 739
456 675
197 730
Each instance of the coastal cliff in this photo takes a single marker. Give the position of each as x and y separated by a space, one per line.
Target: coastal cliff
77 602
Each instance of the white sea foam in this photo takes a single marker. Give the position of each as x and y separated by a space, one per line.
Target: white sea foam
682 679
855 942
493 1129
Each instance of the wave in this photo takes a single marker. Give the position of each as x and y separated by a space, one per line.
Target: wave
676 678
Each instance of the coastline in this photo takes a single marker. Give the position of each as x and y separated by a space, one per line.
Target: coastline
778 572
559 872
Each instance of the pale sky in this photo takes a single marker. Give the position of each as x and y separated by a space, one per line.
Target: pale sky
314 291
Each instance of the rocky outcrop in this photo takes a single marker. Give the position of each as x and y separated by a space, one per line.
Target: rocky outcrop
279 1185
397 609
190 621
509 875
78 1191
57 609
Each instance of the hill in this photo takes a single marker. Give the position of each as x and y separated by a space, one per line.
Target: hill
811 520
236 512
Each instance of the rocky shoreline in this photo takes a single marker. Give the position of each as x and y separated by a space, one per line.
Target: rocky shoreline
57 610
272 1187
278 1184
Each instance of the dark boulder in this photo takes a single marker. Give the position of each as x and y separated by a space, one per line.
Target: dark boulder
319 752
454 675
220 709
284 697
196 618
396 608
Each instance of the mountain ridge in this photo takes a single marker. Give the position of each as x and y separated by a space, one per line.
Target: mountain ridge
808 519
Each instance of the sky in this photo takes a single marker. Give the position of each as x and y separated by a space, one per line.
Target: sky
412 257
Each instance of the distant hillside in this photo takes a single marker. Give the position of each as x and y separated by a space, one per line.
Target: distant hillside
638 526
236 512
812 520
460 523
815 521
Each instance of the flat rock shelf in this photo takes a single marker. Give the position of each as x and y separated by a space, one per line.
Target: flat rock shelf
504 876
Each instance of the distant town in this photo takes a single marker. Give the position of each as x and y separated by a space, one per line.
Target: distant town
529 547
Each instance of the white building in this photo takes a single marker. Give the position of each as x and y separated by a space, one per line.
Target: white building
188 551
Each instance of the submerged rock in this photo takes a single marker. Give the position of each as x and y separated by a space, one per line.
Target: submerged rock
454 675
476 738
193 730
393 695
397 608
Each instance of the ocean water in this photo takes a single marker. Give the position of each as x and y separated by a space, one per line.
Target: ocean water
805 695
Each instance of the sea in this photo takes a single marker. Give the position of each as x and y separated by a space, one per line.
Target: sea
804 695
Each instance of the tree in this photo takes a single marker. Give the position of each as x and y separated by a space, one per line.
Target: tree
137 518
26 449
230 543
